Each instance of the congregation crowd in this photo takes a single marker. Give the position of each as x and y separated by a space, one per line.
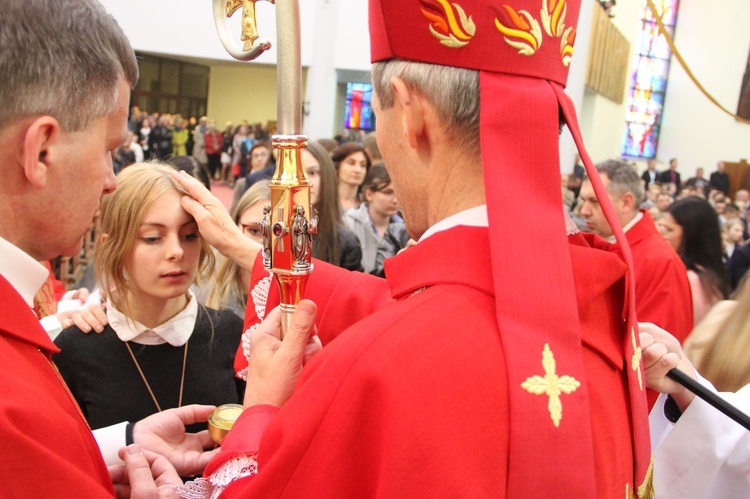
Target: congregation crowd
414 367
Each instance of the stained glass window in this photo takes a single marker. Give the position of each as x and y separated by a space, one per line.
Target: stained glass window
648 83
358 112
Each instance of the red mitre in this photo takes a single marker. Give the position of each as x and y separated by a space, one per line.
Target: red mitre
522 49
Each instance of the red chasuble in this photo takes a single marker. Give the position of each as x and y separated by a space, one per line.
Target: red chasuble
662 290
48 449
412 400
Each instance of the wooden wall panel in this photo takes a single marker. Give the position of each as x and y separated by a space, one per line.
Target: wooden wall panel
608 57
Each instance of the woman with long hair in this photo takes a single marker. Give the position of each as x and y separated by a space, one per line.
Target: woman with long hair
351 164
334 243
691 227
161 349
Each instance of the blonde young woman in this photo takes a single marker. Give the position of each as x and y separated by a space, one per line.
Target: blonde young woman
229 288
161 349
719 346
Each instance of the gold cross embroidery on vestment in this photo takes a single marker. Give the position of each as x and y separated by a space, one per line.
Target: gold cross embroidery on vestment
551 385
636 360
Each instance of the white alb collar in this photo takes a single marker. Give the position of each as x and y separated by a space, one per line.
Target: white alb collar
24 273
473 217
176 331
477 217
630 225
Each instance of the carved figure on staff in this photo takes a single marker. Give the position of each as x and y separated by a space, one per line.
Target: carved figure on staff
264 225
249 23
303 232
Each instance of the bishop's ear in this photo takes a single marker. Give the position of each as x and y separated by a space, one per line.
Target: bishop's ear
39 143
412 110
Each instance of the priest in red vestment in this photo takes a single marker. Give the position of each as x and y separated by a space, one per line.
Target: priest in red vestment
662 290
67 72
488 364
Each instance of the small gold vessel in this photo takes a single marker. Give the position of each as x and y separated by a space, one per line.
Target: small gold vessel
222 420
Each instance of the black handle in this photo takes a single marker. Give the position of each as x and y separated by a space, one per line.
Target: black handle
710 397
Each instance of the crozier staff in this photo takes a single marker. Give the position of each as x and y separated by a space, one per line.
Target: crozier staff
290 188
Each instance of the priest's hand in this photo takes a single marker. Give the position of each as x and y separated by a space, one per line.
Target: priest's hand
164 433
215 224
661 353
275 364
145 475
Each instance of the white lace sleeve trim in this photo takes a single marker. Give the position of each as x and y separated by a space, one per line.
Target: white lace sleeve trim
242 374
260 296
214 485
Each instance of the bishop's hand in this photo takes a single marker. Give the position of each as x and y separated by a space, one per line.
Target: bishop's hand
274 365
215 224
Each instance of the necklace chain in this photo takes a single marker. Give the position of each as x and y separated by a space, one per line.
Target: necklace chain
145 381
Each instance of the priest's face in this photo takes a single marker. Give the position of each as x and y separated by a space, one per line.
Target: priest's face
592 211
78 166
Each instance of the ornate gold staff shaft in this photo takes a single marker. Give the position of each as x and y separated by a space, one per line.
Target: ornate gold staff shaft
287 232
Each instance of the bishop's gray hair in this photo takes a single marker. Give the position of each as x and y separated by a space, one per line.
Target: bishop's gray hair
453 91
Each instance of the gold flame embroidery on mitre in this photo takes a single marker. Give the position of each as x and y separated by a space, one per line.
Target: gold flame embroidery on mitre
521 31
553 16
448 22
566 45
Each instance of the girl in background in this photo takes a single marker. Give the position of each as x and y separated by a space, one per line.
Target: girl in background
334 243
351 164
260 167
161 349
692 229
376 217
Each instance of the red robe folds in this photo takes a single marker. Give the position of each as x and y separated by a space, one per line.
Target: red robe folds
412 400
48 449
662 290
